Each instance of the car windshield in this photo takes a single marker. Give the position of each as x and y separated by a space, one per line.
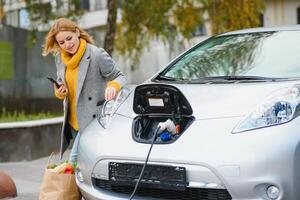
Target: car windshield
251 56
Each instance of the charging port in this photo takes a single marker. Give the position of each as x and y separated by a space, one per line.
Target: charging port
155 104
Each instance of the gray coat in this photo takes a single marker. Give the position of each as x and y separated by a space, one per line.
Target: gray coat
96 68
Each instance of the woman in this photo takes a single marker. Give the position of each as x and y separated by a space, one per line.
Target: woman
87 75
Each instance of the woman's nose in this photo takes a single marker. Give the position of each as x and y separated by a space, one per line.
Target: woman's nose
68 44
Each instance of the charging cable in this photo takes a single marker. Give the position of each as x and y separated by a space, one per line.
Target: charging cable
145 164
167 125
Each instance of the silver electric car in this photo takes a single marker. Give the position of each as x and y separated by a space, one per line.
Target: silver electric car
221 121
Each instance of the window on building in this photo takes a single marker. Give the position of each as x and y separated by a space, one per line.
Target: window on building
298 15
97 4
200 31
24 20
102 4
120 3
85 4
12 18
261 20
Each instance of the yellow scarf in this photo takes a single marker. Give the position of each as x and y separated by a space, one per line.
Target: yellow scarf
71 76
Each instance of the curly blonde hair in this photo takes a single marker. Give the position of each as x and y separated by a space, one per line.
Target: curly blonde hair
62 24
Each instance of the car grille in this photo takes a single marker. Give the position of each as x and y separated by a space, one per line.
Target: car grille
188 194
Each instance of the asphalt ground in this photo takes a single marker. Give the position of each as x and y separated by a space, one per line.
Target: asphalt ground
28 175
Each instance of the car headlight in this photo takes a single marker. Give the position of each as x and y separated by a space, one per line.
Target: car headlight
110 107
281 107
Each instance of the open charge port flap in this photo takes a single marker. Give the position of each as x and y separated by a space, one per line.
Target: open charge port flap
155 103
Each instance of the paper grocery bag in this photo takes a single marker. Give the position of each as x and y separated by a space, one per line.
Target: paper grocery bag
59 187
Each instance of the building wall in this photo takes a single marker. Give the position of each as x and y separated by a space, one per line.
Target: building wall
27 87
29 66
281 12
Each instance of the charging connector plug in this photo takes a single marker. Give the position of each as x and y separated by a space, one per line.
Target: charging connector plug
167 125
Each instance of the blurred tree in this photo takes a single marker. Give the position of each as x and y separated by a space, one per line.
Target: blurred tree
228 15
144 20
1 11
111 26
40 13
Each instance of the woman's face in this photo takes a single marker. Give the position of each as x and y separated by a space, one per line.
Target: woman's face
68 41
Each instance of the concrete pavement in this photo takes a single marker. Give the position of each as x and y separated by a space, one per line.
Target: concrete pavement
28 175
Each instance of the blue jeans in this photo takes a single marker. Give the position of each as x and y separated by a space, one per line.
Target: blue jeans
74 151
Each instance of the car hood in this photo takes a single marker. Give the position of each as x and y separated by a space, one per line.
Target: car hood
219 100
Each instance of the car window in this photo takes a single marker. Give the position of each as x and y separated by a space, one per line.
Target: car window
265 54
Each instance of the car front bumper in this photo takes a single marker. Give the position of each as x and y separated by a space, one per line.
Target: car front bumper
245 164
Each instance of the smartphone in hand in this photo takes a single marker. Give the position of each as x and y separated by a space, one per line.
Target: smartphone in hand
54 81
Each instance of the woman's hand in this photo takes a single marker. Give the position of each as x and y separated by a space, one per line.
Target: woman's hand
60 92
110 93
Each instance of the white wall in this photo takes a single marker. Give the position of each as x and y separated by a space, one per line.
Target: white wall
281 12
